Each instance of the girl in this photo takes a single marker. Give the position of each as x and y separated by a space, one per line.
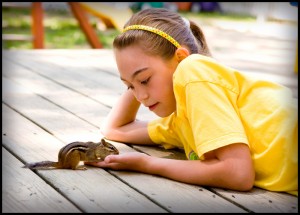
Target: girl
236 132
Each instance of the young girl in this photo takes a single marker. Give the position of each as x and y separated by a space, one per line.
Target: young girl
236 132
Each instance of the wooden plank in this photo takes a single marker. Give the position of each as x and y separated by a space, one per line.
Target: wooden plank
24 192
263 201
103 60
51 117
74 102
94 190
157 151
66 69
94 83
178 197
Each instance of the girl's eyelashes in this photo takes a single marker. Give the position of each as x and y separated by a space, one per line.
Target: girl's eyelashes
129 87
145 81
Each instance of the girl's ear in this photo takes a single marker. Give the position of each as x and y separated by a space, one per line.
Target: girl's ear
181 53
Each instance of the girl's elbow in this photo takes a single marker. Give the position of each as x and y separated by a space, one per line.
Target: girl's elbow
246 185
239 176
107 132
103 131
244 180
114 134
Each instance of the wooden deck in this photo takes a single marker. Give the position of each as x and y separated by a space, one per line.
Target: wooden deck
53 97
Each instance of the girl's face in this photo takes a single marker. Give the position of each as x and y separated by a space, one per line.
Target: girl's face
149 77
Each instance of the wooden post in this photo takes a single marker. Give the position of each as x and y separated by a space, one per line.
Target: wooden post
89 32
37 25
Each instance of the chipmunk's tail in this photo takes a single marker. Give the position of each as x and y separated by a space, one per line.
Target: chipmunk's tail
42 165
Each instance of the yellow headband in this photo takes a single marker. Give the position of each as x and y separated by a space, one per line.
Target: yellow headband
153 30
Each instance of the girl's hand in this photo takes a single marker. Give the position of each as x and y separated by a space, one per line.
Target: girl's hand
128 161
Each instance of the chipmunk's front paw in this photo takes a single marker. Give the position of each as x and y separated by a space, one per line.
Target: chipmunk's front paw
80 168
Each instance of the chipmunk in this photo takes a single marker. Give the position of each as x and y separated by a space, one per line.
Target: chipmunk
71 154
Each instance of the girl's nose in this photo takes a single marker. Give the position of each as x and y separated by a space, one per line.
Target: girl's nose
141 95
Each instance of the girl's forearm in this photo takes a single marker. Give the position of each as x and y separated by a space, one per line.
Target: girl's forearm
121 124
122 113
206 173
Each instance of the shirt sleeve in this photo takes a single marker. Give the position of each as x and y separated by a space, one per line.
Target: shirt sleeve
213 116
161 132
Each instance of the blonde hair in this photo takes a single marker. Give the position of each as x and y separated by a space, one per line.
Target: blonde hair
190 36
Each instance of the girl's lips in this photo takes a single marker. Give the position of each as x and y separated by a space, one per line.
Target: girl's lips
152 107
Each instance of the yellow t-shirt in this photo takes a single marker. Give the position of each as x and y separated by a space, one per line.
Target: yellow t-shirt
217 106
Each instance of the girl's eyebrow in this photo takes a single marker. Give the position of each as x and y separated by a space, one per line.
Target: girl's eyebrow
135 73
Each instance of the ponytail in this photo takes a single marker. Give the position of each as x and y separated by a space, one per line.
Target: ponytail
201 41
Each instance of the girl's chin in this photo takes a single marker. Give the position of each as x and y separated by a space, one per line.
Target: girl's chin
162 113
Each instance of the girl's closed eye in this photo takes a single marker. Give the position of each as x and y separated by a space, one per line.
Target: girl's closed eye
129 87
145 81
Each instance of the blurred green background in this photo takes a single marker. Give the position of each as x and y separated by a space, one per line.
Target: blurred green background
62 30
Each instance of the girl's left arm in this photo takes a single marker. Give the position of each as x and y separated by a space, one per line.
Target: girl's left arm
228 167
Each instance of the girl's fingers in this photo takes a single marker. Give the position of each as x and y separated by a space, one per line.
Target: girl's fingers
112 159
97 164
123 161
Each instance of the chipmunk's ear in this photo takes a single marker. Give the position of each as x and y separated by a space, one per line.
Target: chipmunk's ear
181 53
105 143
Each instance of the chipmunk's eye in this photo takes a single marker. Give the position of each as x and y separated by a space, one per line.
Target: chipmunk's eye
111 147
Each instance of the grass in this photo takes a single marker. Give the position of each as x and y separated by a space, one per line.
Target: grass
63 32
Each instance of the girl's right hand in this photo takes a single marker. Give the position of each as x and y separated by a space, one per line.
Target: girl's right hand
135 161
